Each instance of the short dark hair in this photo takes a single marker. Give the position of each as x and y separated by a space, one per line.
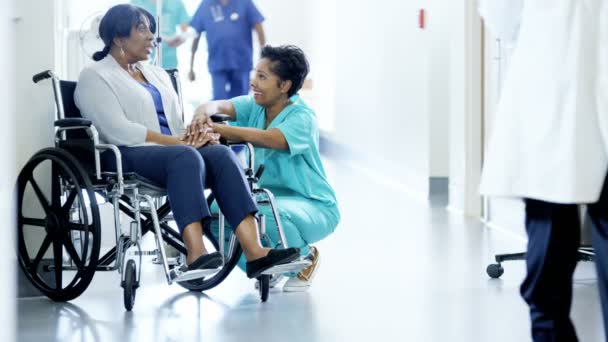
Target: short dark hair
118 22
289 63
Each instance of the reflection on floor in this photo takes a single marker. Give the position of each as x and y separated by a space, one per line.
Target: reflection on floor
396 269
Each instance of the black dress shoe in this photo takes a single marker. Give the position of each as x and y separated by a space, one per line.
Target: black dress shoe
209 261
274 257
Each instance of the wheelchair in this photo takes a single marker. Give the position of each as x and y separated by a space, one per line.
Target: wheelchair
59 237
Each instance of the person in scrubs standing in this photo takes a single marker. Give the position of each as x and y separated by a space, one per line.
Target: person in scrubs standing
228 25
549 147
285 132
174 17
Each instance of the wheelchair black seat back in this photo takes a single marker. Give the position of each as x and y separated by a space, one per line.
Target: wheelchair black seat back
77 141
58 219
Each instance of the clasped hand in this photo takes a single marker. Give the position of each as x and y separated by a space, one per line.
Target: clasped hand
200 133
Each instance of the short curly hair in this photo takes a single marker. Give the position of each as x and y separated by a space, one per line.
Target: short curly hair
289 63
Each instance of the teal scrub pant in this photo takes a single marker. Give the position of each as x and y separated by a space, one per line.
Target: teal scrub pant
304 222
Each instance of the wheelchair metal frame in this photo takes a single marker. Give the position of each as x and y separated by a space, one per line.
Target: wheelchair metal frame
139 201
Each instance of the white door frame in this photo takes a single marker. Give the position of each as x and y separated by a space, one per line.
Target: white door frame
467 109
474 75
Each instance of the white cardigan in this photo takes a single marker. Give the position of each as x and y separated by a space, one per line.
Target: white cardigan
121 109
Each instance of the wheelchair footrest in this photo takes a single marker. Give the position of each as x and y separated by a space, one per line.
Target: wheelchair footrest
294 266
177 275
171 261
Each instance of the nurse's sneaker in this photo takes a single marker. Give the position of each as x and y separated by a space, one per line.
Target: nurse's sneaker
303 280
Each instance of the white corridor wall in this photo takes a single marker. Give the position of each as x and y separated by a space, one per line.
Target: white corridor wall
35 51
382 83
8 312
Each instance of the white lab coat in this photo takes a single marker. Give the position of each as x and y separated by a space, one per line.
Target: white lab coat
549 139
502 18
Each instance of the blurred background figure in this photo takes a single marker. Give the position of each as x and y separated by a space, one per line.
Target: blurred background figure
228 25
548 147
174 20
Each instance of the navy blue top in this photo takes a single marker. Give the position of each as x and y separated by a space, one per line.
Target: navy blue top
158 103
229 31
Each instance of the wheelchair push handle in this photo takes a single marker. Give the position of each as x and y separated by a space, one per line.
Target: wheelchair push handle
42 76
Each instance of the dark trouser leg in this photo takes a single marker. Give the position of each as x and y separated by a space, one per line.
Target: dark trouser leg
553 240
227 181
180 169
598 213
239 83
219 80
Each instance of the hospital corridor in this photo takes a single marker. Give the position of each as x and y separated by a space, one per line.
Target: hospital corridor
289 170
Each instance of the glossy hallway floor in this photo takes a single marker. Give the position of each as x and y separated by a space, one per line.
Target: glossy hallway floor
397 269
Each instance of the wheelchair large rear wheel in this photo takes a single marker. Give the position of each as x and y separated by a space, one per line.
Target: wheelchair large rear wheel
58 225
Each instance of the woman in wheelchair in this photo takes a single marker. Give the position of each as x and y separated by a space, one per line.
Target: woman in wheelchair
134 106
284 130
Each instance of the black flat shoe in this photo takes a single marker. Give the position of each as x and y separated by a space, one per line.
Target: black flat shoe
274 257
209 261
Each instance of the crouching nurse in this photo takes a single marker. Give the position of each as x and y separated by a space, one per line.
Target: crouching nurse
285 134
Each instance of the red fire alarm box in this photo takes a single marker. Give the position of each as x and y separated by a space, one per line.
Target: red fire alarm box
421 19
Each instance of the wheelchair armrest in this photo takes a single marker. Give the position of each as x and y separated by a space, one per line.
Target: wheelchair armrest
251 154
236 143
119 173
79 142
73 122
220 117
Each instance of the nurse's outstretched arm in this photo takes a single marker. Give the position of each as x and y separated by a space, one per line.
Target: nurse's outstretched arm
204 111
272 138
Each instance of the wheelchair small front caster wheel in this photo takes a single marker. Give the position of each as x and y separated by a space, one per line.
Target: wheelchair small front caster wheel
130 285
264 287
495 270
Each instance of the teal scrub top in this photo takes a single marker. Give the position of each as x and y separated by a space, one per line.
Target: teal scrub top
173 14
297 171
